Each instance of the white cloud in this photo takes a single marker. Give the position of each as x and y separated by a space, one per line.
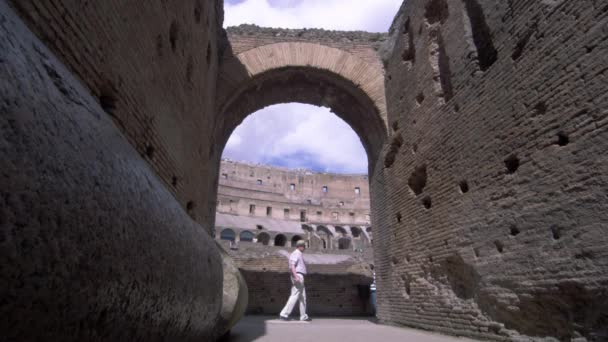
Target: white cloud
345 15
298 135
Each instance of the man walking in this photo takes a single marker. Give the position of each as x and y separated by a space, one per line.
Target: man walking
297 269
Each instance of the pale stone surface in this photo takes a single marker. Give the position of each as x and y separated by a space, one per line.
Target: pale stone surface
269 329
235 294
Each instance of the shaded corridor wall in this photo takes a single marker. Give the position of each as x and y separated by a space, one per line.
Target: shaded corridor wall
152 65
491 198
93 247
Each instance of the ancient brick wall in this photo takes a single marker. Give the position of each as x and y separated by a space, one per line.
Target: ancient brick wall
93 247
364 45
339 289
491 195
152 65
323 197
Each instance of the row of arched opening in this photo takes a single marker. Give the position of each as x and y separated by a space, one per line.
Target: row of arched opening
263 238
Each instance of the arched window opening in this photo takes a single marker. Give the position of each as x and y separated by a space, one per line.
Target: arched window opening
264 239
295 239
228 235
280 240
344 243
246 236
355 231
340 230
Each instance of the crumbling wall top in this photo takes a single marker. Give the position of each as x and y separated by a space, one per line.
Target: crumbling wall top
305 34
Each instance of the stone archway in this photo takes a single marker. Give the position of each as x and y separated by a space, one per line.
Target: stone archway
307 73
280 240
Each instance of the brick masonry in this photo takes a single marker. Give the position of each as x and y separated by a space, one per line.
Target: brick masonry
332 289
491 202
485 131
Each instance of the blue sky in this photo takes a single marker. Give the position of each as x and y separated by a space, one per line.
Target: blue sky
304 136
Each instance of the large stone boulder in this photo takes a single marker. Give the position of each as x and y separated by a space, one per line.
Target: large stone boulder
235 297
92 245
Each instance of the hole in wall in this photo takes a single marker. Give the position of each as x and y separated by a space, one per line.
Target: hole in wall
108 103
499 246
398 217
150 150
514 231
414 148
420 29
198 10
556 232
431 258
419 98
562 139
512 164
523 42
395 125
174 181
173 35
394 261
417 180
408 258
464 186
427 202
540 108
436 11
477 252
409 53
391 155
209 54
445 72
456 107
482 36
407 26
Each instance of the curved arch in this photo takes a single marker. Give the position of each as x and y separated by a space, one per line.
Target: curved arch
355 231
228 235
307 73
324 230
344 243
264 238
295 239
280 240
341 230
246 236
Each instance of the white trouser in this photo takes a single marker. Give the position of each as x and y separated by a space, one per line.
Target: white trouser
298 292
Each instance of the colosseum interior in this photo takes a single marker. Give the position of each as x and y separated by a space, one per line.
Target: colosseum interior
262 209
484 122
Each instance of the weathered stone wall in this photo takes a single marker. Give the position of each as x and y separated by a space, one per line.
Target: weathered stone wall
364 45
241 185
342 70
93 247
332 289
490 201
153 67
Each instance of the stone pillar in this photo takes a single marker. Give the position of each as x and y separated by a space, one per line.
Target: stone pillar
92 245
